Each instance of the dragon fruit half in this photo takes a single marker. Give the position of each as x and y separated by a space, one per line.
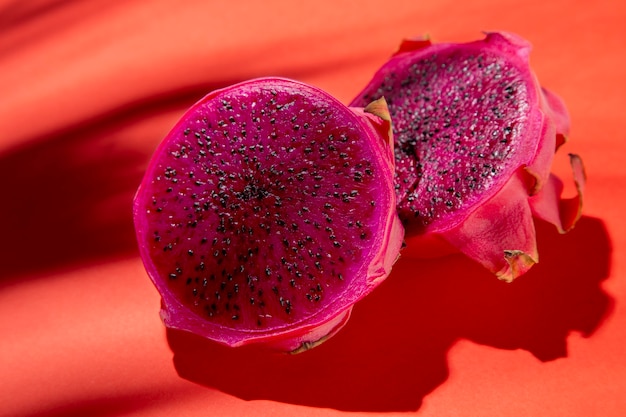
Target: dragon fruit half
267 212
475 136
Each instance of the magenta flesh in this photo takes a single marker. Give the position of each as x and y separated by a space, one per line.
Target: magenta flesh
266 213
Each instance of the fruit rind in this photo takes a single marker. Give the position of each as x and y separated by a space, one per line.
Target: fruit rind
479 227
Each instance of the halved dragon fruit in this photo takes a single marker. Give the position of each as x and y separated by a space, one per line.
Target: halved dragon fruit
475 137
267 212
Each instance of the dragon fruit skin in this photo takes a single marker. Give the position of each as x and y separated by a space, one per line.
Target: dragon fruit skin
264 123
475 136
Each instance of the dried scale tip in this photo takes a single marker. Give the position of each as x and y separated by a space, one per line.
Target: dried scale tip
475 136
267 212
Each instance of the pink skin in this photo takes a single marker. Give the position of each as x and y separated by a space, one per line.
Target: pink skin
494 227
298 330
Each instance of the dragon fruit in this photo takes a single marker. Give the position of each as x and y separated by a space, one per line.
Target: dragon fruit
267 212
475 136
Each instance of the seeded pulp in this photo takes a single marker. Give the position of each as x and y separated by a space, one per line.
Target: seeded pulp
260 205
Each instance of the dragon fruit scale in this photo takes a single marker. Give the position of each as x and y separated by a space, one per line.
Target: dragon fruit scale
267 212
475 136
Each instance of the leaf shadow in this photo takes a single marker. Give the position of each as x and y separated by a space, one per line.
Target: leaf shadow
67 196
393 352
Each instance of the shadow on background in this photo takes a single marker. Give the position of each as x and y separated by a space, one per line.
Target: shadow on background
393 351
67 197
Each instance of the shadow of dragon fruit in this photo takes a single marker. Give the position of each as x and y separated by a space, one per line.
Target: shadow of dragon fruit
267 212
475 136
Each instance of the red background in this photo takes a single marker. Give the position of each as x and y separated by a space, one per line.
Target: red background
88 89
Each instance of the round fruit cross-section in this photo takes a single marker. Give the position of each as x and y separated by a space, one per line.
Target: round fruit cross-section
265 209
